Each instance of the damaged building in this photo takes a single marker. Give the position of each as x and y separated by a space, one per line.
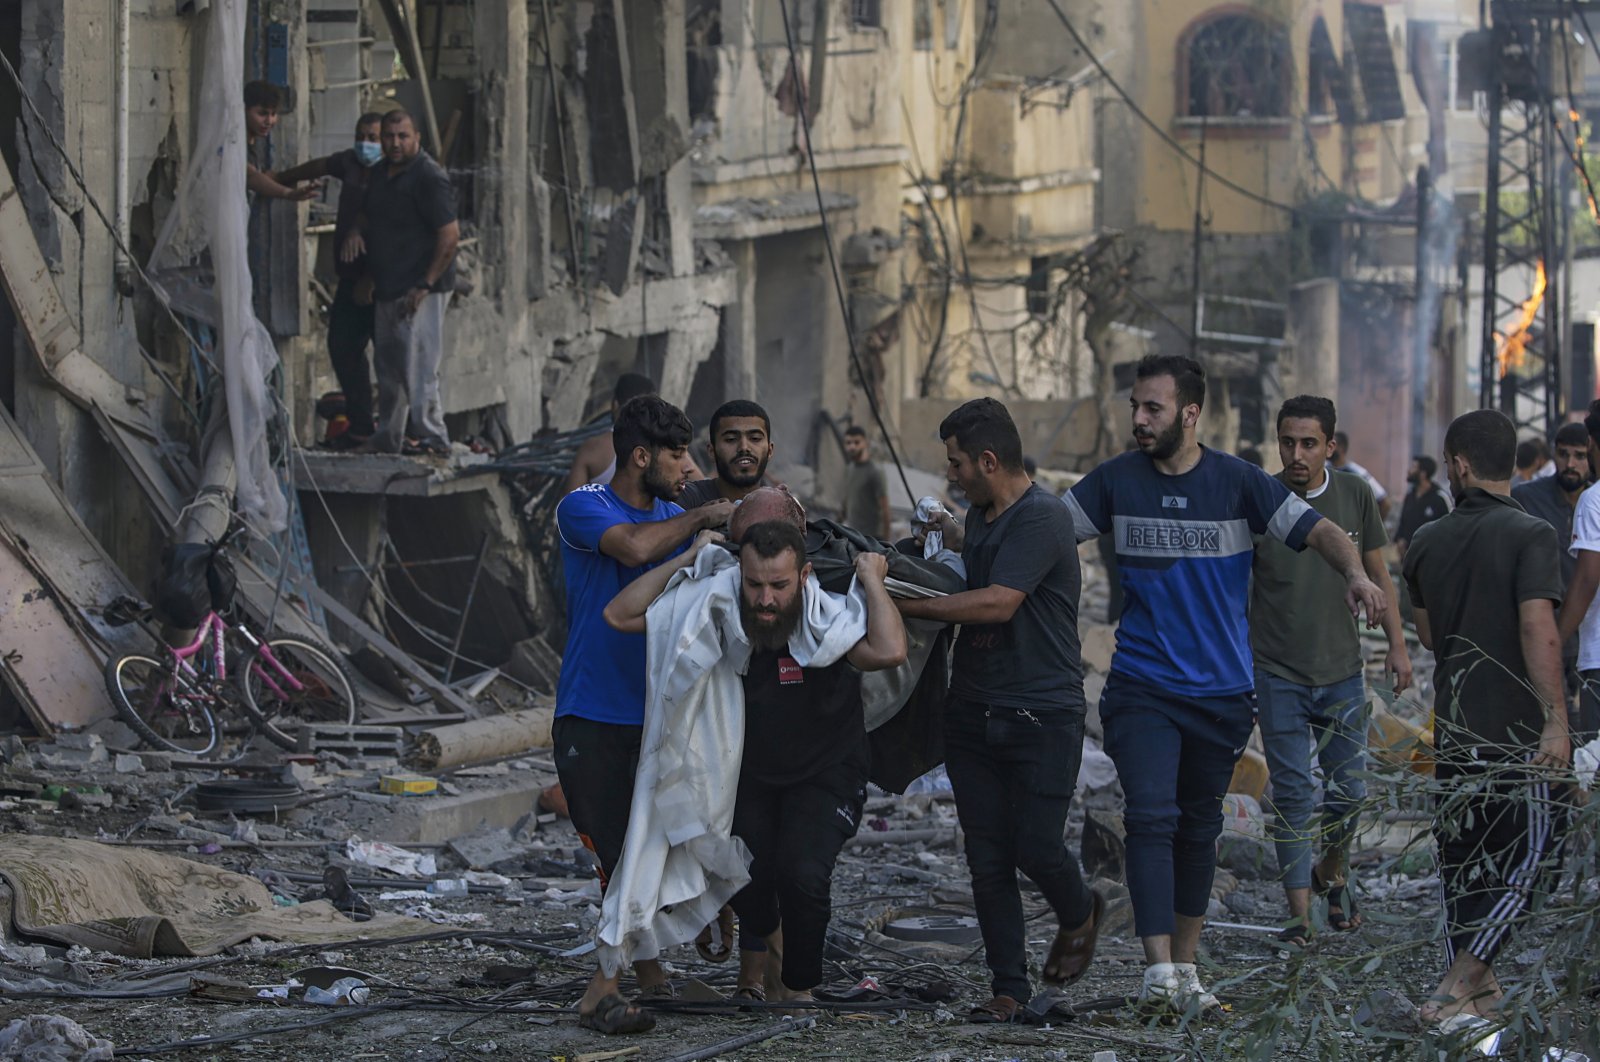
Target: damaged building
824 205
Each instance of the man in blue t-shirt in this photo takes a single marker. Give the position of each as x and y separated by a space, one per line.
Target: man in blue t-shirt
1179 704
611 533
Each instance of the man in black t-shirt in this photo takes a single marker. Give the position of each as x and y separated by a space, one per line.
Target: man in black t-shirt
1424 503
409 233
1014 719
350 316
1484 582
802 782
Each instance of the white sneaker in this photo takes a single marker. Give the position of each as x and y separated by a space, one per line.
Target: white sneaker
1193 989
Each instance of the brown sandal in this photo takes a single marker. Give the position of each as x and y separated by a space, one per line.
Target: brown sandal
1000 1010
1073 949
750 994
615 1016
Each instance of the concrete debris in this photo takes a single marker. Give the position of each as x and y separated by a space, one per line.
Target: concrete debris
79 800
31 955
489 849
429 913
71 750
1387 1011
130 763
492 738
52 1038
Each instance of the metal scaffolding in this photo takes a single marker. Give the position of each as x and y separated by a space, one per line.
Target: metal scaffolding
1523 341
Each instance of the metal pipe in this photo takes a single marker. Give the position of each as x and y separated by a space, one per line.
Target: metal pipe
783 1028
123 210
466 610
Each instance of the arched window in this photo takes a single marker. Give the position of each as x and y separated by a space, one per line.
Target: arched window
1238 67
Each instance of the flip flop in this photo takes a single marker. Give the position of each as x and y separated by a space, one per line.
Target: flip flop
1073 949
1296 934
660 993
1000 1010
614 1016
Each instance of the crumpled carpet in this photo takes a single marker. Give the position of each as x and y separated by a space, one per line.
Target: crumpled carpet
143 904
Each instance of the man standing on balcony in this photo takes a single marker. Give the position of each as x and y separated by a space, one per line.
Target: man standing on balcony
409 232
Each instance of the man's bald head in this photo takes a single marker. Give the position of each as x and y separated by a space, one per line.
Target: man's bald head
763 504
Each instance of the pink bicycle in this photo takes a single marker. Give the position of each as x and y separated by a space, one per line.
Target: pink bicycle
280 684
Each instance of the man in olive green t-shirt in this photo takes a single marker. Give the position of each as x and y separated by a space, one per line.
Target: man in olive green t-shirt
866 491
1309 674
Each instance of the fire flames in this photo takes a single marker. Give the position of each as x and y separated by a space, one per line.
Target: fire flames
1513 352
1579 161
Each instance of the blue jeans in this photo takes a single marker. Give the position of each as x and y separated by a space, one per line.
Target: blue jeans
1292 716
1175 756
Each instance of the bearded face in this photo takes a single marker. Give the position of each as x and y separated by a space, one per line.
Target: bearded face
770 598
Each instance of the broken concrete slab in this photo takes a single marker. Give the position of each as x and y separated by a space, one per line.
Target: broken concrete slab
489 849
446 818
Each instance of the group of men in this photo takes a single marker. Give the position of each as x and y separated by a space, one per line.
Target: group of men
1229 619
395 241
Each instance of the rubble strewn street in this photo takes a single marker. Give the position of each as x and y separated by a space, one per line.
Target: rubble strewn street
503 912
799 529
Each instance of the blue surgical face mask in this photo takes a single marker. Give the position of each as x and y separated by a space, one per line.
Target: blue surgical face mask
368 152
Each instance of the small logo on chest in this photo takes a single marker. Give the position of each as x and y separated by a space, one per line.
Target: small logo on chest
789 672
1169 501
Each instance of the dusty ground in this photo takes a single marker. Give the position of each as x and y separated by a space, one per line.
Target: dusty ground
446 1002
501 988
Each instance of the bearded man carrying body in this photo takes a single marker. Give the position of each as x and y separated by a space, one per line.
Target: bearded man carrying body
802 780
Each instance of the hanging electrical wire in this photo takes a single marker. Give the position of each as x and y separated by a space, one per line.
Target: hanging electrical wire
1154 126
833 259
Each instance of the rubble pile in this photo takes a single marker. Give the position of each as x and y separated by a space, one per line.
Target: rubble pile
502 900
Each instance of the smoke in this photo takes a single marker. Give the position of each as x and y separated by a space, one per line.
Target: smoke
1436 254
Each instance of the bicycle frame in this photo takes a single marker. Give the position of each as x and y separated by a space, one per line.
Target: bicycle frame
215 629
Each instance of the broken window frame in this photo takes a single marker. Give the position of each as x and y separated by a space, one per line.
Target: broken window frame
1269 70
866 14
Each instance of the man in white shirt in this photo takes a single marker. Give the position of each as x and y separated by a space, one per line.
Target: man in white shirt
1580 612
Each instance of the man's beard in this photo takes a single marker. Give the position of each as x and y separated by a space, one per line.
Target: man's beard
734 478
658 485
1166 443
1413 479
770 632
1571 480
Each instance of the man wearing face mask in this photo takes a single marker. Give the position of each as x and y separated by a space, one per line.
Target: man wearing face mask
350 318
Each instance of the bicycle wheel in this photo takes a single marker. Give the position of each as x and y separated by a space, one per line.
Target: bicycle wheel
166 708
287 683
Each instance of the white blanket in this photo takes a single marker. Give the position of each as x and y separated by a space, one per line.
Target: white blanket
680 861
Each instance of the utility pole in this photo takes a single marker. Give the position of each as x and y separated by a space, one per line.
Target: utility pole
1199 216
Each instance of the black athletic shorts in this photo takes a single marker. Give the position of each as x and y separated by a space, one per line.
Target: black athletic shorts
596 763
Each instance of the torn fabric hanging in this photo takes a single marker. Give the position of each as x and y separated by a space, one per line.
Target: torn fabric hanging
211 213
